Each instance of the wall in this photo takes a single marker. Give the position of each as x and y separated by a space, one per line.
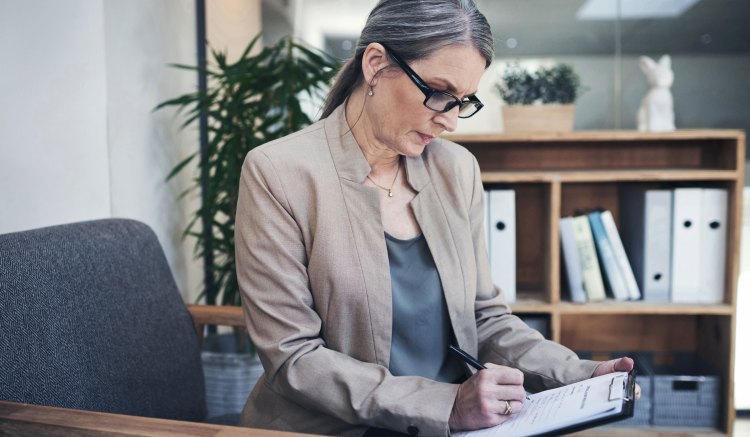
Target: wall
78 138
142 38
232 24
53 117
742 354
708 91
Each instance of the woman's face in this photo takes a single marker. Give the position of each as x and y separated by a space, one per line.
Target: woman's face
401 122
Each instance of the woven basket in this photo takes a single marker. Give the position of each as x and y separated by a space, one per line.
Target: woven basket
538 118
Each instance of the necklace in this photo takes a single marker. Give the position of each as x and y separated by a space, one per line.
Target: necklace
389 190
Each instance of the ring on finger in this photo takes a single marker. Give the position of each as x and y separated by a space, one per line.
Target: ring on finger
508 408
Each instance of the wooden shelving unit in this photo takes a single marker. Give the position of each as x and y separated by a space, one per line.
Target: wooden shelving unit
555 175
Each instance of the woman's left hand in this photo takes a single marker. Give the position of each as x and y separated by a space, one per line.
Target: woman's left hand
624 364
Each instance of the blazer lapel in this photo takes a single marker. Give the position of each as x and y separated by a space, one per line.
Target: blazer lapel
366 226
428 210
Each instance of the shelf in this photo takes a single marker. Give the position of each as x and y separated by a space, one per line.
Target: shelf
536 306
531 306
650 431
647 308
596 136
556 175
608 176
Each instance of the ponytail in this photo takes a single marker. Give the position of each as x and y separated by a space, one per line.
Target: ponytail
348 79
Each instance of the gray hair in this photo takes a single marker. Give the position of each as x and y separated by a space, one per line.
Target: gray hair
414 29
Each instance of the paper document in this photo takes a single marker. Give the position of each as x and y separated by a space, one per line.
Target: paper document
565 407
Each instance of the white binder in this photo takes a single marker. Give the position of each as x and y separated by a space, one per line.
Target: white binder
713 228
503 241
487 223
686 245
646 219
634 293
571 261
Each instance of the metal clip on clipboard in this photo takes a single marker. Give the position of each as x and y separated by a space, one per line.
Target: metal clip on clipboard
622 387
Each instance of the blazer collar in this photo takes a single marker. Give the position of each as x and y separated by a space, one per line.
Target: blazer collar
351 163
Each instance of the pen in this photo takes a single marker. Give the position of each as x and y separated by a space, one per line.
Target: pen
468 359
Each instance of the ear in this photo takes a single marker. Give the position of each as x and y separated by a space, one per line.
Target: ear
374 60
647 64
665 61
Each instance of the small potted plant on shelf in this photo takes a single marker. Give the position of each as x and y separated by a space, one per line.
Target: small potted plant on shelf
539 101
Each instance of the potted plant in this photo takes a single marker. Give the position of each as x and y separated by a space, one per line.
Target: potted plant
251 101
540 101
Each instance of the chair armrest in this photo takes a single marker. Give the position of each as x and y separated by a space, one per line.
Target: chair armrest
215 315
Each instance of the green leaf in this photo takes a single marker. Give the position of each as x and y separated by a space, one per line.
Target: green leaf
248 102
178 168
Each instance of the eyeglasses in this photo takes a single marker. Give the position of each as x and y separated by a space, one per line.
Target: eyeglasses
436 100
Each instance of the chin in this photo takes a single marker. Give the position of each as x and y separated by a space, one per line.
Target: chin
414 150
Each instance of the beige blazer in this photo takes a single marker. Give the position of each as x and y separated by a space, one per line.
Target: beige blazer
313 269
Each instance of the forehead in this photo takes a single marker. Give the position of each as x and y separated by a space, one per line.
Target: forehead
461 66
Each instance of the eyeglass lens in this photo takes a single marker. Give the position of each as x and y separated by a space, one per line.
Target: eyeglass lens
443 102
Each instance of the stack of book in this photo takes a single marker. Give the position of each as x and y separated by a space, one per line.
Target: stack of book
672 249
594 256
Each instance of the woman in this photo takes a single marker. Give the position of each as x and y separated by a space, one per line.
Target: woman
360 249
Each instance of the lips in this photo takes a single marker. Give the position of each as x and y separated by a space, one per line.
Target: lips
425 138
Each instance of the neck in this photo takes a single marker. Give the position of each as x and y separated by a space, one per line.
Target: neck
382 159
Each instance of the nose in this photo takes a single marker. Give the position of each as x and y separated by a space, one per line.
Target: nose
448 120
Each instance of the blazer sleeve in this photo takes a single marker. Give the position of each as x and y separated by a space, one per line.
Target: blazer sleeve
286 330
504 338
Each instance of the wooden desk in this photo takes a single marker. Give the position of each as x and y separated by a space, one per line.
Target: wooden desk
34 420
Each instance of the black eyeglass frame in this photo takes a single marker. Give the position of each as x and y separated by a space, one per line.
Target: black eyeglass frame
429 91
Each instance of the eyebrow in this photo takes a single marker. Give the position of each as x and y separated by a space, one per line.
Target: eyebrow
450 87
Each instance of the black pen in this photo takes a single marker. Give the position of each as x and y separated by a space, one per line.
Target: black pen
466 358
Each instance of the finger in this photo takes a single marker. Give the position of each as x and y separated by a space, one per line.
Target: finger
618 365
624 364
509 408
486 387
510 392
504 374
637 392
507 392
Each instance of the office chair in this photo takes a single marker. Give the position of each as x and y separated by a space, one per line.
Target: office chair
91 318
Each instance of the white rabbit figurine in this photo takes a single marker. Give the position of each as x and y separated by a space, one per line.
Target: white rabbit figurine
656 113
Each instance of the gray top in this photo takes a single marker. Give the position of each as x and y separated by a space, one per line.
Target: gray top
421 326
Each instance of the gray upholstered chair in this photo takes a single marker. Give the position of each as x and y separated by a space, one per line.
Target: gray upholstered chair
91 318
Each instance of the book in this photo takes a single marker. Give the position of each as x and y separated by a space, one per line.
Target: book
590 271
611 269
569 251
634 292
575 407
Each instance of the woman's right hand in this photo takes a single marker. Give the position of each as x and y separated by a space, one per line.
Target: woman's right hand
481 399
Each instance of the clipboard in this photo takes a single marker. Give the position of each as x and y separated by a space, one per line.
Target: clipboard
627 411
575 407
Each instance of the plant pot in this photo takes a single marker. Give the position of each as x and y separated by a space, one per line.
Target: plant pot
229 375
538 118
